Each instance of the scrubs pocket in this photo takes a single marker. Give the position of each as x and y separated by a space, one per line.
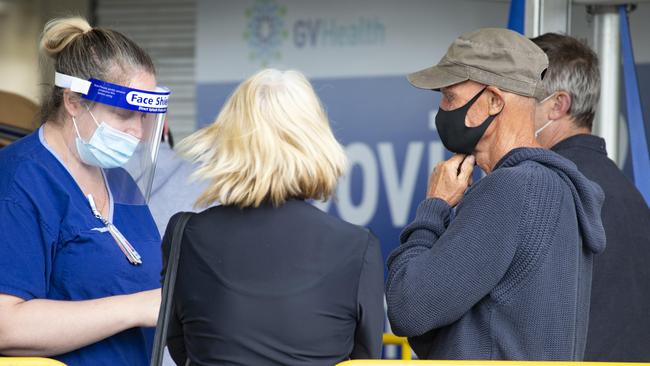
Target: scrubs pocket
92 265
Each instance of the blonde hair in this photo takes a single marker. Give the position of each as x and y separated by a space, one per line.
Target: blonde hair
271 142
58 33
80 50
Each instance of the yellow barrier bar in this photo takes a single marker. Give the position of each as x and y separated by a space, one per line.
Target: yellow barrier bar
482 363
29 361
390 338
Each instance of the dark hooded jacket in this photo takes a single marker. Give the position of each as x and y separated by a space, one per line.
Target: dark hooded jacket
509 275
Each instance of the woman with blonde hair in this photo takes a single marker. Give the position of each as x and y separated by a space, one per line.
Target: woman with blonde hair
79 251
266 278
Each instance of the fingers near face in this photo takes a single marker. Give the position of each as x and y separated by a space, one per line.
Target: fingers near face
467 167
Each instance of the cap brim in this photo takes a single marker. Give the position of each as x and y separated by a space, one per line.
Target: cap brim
434 78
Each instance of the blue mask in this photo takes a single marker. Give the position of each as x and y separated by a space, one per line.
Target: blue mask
107 147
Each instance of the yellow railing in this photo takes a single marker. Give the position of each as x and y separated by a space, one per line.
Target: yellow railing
29 361
481 363
390 338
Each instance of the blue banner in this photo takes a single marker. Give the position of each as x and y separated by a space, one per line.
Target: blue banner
638 141
517 16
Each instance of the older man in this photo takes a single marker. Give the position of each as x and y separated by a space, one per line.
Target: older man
507 274
619 319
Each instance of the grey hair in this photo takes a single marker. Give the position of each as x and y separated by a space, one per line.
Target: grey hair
573 68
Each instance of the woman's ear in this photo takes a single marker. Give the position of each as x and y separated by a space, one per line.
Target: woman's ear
72 103
496 100
561 105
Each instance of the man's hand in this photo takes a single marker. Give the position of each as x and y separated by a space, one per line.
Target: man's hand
450 179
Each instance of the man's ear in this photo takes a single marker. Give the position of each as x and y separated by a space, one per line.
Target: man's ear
72 103
561 105
496 100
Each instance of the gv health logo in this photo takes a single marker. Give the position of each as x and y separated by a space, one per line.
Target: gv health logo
265 30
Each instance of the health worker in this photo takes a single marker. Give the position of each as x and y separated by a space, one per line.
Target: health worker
80 253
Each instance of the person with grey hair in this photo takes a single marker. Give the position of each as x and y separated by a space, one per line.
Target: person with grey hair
507 274
619 325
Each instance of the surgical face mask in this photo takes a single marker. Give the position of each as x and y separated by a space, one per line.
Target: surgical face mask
454 134
107 147
539 130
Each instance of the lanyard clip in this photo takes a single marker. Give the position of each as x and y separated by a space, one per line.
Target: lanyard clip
91 201
125 246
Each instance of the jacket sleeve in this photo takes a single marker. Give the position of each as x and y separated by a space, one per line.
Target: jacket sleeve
444 267
370 304
176 339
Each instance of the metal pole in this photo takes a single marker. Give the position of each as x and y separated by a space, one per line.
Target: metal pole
543 16
533 16
555 16
608 46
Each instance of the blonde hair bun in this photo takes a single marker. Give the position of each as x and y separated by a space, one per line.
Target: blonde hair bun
59 33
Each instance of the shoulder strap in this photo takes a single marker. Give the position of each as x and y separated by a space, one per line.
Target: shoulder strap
160 339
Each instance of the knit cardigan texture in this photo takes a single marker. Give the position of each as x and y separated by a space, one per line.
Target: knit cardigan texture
507 274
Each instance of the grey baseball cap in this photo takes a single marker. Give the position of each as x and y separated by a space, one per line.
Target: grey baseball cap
490 56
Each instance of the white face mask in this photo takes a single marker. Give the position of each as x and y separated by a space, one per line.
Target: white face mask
107 147
539 130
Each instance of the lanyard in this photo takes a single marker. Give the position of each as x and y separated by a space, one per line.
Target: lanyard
129 252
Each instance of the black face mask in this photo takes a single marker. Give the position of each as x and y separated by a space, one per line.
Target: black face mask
454 134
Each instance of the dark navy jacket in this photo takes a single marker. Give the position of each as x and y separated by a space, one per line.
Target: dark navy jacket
619 322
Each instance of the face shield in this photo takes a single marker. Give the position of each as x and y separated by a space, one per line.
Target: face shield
125 136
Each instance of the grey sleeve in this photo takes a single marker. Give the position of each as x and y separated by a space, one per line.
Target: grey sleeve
442 268
370 304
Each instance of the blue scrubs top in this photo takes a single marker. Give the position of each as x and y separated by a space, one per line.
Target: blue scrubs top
52 247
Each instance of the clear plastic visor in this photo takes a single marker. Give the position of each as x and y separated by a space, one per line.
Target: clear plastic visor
115 111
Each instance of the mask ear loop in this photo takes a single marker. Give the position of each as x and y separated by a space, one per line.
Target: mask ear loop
490 116
74 123
549 121
543 127
475 98
547 98
92 115
123 134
